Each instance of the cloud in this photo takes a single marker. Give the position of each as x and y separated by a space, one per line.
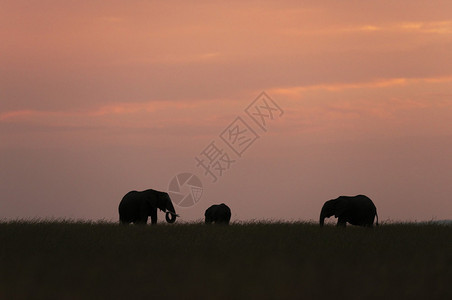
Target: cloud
298 90
318 105
67 57
436 27
127 108
441 27
164 117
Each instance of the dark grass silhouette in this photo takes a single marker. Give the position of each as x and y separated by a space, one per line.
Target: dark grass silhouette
64 260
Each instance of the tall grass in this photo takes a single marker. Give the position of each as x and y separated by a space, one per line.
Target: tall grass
64 260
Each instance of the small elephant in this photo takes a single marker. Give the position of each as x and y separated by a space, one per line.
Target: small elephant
357 210
135 207
219 214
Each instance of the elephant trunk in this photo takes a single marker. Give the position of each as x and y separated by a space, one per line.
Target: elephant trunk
171 215
322 217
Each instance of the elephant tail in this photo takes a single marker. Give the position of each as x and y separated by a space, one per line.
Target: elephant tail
376 223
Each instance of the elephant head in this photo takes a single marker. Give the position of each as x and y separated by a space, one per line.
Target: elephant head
330 208
165 205
327 211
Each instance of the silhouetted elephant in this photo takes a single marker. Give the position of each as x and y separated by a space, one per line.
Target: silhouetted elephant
357 210
135 207
219 214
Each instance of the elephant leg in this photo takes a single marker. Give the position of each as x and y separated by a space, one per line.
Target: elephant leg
142 218
369 224
341 222
154 216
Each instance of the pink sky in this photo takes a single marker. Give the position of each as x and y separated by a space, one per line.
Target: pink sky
101 97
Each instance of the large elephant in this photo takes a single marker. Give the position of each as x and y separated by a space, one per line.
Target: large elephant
357 210
219 214
135 207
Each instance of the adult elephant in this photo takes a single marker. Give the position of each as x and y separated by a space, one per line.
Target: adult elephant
135 207
356 210
218 214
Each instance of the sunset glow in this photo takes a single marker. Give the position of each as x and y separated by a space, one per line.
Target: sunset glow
100 98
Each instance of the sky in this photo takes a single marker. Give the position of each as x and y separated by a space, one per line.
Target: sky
98 98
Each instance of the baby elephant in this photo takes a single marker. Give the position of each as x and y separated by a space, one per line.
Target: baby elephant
219 214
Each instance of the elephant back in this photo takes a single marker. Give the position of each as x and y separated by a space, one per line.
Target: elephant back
218 213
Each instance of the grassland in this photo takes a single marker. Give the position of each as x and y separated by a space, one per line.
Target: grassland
69 260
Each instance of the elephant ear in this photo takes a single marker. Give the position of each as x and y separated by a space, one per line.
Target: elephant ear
340 207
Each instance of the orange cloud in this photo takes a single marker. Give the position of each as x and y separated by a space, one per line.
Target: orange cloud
18 114
298 90
442 27
149 114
